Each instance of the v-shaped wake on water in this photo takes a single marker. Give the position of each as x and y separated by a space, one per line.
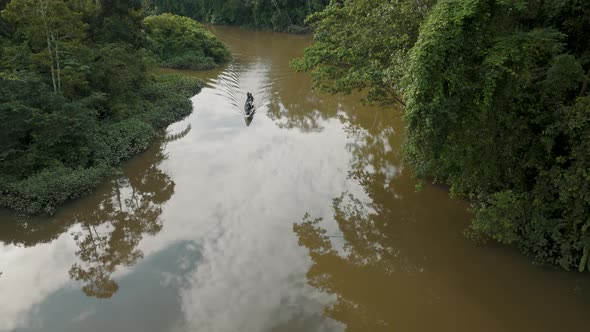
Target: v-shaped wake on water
235 83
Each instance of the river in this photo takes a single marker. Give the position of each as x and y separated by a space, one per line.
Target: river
302 219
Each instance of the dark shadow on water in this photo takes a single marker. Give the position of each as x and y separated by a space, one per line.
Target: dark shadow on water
112 231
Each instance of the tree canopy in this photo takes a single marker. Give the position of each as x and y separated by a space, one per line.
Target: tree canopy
182 43
76 96
363 45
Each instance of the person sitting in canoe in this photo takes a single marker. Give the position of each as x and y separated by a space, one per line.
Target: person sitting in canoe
249 103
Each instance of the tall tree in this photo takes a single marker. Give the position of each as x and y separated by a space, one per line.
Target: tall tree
52 29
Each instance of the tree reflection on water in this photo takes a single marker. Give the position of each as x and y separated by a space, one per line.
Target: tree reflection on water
112 230
372 260
362 273
108 225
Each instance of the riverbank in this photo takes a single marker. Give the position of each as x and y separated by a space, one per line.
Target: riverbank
164 99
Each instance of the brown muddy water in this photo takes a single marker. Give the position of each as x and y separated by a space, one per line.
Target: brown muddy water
197 234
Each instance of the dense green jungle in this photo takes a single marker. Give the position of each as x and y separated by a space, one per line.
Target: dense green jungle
79 94
494 95
294 165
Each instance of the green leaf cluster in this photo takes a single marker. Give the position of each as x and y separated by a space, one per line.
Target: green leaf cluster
363 46
182 43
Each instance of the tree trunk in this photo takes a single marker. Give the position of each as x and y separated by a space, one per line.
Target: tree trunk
279 11
52 68
43 12
58 65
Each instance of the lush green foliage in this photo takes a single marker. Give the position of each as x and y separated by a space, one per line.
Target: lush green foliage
363 45
43 191
69 153
497 105
498 108
75 97
281 15
182 43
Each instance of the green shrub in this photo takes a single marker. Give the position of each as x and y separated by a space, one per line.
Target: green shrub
121 140
189 61
182 43
43 192
163 85
169 98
